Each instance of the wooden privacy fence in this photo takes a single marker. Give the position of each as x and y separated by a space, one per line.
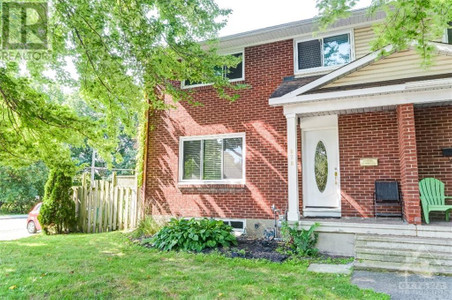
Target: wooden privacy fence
105 206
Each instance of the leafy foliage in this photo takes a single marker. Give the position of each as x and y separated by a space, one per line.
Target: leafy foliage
120 57
146 227
57 213
299 241
21 187
406 21
35 129
193 235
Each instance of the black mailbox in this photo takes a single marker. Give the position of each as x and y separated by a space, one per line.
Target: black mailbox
447 151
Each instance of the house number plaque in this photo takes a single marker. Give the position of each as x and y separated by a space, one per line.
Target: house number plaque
368 162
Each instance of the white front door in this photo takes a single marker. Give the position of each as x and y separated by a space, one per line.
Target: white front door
321 183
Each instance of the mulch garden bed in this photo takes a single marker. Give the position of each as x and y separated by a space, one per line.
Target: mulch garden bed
246 248
250 249
253 249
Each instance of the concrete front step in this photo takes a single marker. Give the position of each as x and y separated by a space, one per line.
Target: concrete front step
403 246
418 244
405 253
405 239
402 267
402 253
423 260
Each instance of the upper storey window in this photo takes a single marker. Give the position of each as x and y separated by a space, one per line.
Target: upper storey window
322 54
233 74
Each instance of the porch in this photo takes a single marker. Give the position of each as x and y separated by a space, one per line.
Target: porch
345 131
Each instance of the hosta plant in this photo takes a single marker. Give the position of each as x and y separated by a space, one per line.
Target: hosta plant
193 235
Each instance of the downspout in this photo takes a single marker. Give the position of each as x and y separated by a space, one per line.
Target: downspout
145 158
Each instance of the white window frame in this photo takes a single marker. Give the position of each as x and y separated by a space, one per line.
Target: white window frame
183 181
445 37
322 69
242 51
237 230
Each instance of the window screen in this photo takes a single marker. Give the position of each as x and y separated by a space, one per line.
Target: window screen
309 54
233 161
237 72
192 160
212 159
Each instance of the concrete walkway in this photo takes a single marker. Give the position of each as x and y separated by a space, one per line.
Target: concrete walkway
405 286
5 217
13 227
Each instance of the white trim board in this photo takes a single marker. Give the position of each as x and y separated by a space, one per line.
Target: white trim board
324 212
409 87
365 101
303 28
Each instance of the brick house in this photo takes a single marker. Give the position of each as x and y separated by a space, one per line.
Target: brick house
323 119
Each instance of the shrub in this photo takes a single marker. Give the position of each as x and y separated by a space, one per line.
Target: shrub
193 235
57 213
21 188
299 241
147 227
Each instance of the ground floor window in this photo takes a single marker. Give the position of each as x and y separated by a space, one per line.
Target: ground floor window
210 159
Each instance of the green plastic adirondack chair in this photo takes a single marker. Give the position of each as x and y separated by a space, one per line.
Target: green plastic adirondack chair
433 198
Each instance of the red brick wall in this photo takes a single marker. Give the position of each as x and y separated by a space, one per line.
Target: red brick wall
408 163
366 135
433 133
266 147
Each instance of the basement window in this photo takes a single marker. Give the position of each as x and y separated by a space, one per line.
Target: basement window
237 225
323 54
212 159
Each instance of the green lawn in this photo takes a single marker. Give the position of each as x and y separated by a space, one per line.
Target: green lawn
107 266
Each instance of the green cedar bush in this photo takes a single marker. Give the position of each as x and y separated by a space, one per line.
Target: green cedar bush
193 235
57 213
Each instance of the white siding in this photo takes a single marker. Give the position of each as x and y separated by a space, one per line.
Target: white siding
363 37
404 64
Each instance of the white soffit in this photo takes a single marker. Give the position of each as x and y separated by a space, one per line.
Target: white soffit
294 29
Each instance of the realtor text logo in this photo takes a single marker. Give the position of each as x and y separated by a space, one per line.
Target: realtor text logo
24 25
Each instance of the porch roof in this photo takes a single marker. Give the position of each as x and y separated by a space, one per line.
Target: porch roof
365 73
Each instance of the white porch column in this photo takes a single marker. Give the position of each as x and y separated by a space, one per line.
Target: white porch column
293 213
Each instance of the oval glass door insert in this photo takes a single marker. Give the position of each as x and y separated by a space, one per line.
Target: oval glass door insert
321 166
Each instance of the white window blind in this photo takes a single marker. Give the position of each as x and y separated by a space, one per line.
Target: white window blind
213 159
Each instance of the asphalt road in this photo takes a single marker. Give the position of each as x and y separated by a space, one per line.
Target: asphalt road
13 227
405 286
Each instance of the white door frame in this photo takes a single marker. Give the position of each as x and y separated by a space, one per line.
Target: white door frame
319 123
